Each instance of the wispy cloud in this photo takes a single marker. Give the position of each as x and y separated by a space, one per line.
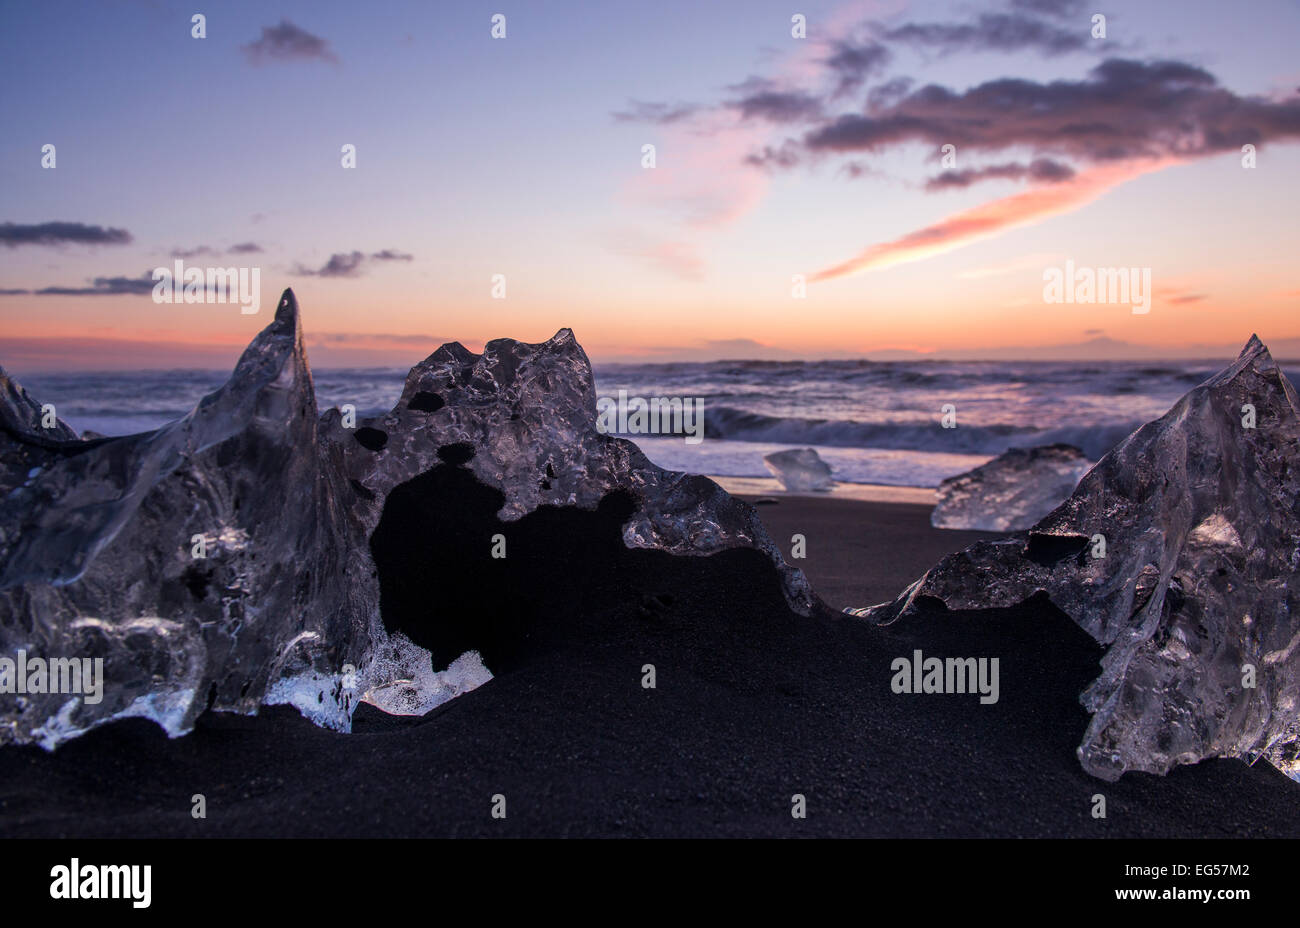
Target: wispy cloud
106 286
1044 170
1068 140
1001 32
659 114
988 219
243 248
13 235
674 257
351 264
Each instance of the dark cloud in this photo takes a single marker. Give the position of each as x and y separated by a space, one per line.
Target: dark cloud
7 292
60 233
287 42
1044 170
1186 298
853 62
339 265
351 264
246 248
661 114
106 286
785 155
1002 32
888 93
779 106
1060 9
1123 109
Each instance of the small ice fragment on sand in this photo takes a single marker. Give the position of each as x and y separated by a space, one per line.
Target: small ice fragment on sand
800 470
405 682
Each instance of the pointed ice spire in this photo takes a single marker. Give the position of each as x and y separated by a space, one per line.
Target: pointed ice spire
1179 551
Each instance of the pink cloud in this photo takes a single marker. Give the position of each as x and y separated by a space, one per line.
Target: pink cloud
990 219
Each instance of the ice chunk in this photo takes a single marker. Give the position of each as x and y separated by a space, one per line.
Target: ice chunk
1012 491
405 683
800 470
1180 553
222 561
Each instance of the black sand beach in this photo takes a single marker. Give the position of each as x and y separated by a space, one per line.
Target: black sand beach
753 705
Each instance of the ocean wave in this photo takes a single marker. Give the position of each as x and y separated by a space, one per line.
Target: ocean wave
733 424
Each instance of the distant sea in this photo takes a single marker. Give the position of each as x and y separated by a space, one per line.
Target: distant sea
873 422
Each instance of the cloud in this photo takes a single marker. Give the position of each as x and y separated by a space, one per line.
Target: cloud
287 42
339 265
1124 109
1059 9
1002 32
60 233
660 114
106 286
8 292
244 248
676 258
1070 139
1044 170
351 264
1122 118
852 63
778 106
1182 298
988 219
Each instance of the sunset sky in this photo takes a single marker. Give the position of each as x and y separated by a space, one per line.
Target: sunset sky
522 156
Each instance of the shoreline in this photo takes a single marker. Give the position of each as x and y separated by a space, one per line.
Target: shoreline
860 492
752 705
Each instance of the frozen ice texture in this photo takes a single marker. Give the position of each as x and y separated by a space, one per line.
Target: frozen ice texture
410 684
1195 593
800 470
98 537
1012 491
